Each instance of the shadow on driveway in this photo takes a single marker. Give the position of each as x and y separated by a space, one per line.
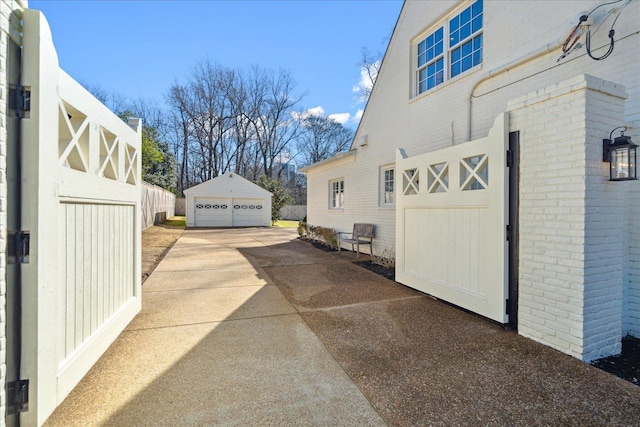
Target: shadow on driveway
233 340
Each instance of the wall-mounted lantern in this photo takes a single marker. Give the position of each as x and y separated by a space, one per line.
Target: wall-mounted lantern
621 154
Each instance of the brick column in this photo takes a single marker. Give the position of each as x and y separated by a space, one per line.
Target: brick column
573 221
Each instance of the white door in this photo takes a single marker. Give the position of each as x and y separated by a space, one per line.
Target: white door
212 212
248 212
451 215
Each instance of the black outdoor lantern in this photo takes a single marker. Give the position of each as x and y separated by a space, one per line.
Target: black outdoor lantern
621 154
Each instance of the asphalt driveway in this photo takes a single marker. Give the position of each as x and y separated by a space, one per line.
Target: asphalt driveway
254 327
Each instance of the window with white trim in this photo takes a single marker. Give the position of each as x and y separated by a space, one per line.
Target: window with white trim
387 186
336 194
449 50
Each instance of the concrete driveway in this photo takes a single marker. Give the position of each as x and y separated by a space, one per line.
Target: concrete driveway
253 327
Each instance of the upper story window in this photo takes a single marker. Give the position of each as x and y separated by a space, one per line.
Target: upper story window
337 194
451 49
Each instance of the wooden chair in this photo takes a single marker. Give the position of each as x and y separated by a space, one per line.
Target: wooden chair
362 235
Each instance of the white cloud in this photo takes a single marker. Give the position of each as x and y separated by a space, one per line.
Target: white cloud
341 118
315 111
365 84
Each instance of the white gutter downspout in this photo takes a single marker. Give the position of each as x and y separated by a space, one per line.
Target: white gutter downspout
504 68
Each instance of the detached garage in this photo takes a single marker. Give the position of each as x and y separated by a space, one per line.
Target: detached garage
228 200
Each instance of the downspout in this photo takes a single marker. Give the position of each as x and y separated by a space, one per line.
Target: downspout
503 69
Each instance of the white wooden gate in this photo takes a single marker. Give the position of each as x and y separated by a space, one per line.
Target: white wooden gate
81 204
451 216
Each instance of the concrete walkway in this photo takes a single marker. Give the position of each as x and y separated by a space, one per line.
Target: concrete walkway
253 327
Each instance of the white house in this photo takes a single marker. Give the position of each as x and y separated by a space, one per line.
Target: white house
228 200
479 159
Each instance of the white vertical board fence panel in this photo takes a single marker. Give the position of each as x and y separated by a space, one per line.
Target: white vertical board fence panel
451 215
293 212
82 206
156 203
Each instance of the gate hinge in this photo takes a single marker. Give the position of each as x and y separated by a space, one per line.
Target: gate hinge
18 247
509 158
17 396
508 232
508 305
20 101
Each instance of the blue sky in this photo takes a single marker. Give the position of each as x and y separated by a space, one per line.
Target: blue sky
138 48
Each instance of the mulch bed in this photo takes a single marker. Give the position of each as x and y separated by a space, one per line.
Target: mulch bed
389 273
627 364
319 245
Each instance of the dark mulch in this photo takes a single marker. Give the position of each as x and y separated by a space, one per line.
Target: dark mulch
389 273
319 245
627 364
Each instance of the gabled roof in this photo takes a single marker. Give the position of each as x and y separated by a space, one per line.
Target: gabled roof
337 157
226 181
356 136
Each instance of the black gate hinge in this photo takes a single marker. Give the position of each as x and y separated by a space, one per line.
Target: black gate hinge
508 305
17 396
18 248
509 158
508 232
20 101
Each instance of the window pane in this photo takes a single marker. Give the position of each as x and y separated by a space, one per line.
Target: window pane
439 48
455 69
389 184
466 63
455 55
465 16
476 24
454 38
455 23
422 80
477 56
465 31
467 48
337 194
476 8
477 42
422 53
439 35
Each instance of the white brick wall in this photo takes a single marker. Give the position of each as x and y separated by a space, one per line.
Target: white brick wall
631 302
571 238
9 29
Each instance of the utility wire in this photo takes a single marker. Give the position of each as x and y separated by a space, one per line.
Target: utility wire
572 44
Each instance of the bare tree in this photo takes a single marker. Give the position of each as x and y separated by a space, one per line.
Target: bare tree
369 68
271 106
321 138
224 120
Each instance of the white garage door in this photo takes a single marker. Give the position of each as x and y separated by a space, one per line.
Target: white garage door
248 212
212 212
